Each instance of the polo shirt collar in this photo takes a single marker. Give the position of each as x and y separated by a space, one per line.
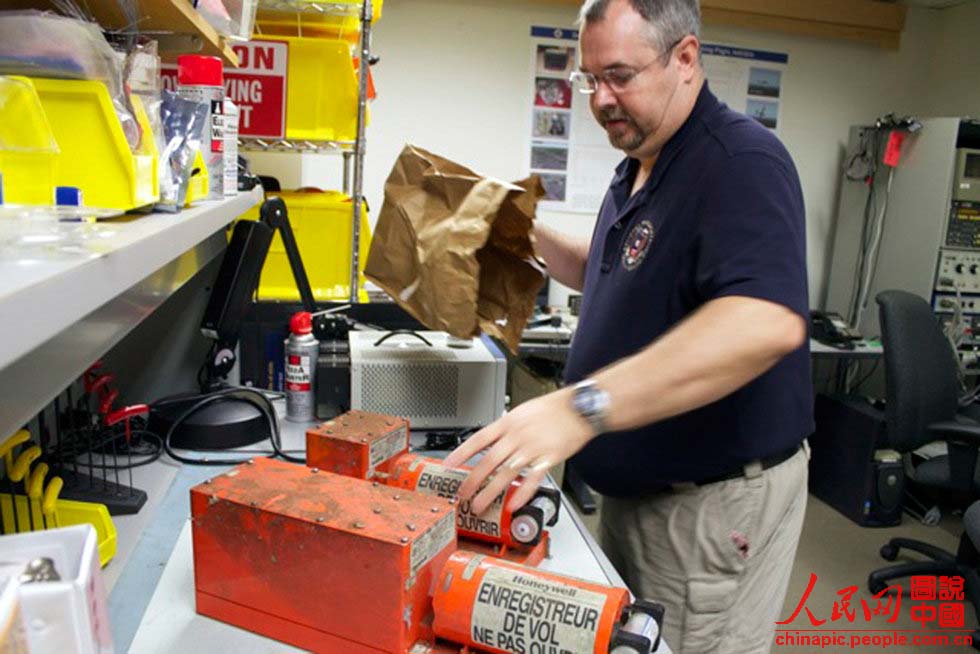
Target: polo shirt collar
626 170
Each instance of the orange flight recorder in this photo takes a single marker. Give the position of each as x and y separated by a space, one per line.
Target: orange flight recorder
321 561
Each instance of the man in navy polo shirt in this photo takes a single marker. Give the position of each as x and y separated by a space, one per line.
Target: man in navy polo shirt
692 394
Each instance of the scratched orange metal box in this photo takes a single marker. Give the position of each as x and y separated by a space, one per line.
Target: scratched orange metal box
320 561
357 443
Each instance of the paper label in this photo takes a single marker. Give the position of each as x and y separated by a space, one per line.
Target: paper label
442 481
298 373
390 446
518 612
429 544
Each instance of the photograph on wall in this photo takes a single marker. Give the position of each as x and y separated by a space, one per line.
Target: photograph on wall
765 112
764 82
554 186
552 124
555 61
548 157
555 93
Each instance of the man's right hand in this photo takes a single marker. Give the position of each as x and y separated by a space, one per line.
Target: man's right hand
565 255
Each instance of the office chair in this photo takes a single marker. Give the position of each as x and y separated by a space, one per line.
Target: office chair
922 392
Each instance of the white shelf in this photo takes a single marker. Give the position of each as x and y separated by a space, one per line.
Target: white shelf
70 291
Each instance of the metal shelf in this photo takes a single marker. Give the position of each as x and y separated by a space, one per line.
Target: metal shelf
61 309
320 8
302 146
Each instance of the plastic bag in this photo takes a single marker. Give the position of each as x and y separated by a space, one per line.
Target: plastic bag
183 129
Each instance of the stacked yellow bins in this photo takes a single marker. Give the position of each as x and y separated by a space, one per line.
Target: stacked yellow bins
321 222
78 141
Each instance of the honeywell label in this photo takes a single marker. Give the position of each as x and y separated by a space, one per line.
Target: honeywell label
431 543
527 615
387 447
444 482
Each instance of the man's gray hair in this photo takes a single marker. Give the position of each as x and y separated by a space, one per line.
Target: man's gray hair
670 20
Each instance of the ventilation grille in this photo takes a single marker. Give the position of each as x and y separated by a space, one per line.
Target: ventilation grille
407 354
417 390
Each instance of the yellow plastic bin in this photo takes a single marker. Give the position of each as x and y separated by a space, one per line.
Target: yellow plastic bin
65 514
28 148
344 25
321 89
94 155
321 222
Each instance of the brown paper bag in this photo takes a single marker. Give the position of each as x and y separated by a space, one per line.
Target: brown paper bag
454 248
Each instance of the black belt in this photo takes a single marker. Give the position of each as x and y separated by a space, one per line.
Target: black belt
766 463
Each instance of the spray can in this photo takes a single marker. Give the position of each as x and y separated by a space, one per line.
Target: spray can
231 147
202 79
302 350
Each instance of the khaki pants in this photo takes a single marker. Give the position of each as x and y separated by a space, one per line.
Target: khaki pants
718 557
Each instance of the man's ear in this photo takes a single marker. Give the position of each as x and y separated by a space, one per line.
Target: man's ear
688 56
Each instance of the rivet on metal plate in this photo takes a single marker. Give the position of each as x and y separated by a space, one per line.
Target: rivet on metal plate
314 470
396 497
358 525
404 539
410 527
377 510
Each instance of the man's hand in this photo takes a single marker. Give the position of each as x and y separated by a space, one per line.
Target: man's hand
535 436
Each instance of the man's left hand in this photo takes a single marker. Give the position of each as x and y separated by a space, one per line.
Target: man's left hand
532 438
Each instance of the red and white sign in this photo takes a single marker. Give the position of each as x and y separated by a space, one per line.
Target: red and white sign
257 87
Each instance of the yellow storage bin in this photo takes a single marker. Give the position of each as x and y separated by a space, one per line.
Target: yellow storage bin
321 89
66 514
344 25
27 145
94 154
321 222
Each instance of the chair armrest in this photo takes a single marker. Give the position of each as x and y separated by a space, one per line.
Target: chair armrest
956 431
963 438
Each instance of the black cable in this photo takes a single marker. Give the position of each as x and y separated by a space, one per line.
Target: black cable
249 396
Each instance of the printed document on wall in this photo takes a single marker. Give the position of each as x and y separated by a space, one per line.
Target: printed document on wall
568 149
748 81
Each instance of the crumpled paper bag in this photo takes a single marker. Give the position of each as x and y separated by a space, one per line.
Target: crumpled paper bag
454 248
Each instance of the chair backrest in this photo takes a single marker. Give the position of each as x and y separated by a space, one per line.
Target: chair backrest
921 384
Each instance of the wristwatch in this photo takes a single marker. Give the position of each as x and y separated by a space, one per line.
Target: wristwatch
592 403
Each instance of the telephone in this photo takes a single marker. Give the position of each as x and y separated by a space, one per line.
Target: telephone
830 328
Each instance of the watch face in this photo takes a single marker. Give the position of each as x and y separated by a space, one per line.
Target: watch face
588 401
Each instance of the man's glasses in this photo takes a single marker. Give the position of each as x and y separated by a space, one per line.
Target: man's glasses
617 79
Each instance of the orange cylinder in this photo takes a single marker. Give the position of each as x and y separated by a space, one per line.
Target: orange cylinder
499 606
498 525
